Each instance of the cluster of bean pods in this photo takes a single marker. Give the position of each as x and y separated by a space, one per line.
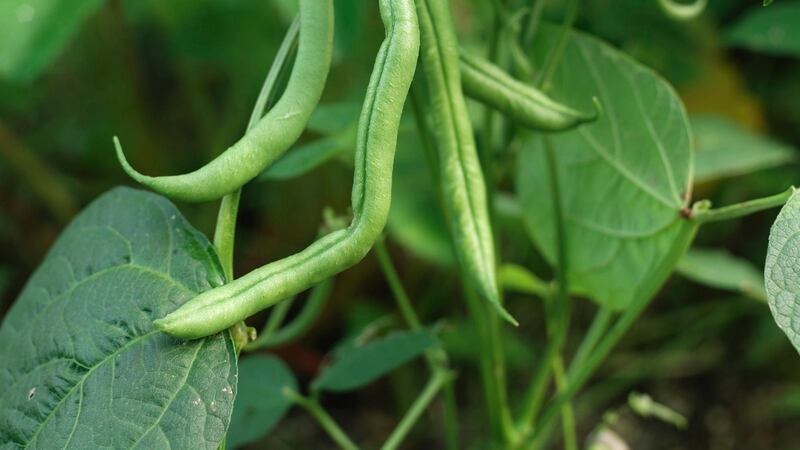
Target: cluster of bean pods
414 28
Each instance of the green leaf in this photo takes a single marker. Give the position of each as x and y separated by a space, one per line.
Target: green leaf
416 220
260 402
781 274
33 32
725 149
307 157
623 180
333 118
721 270
774 30
83 366
359 365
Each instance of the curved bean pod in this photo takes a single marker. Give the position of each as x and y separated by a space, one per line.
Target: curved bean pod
275 132
459 168
219 308
525 104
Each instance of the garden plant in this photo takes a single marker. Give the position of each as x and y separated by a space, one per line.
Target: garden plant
549 181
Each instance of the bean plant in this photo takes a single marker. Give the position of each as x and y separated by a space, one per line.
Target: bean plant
136 329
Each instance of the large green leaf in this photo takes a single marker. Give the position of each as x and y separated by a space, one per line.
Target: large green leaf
782 270
623 180
774 30
82 365
32 32
719 269
725 149
358 365
260 402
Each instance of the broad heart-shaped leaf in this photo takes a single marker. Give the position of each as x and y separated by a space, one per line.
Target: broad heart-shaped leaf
725 149
260 402
623 180
782 270
81 365
774 30
32 32
358 365
719 269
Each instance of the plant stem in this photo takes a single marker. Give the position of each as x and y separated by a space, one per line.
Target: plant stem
554 56
323 418
567 413
738 210
439 378
396 286
597 330
556 304
579 375
534 18
225 232
312 308
436 358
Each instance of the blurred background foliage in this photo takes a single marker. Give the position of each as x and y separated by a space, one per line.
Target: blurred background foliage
176 82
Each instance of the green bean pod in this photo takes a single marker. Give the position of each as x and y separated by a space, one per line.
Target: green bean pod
274 133
219 308
459 168
524 104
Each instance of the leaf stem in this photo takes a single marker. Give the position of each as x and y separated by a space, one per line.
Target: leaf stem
534 18
554 56
701 213
556 304
225 232
567 413
579 375
439 379
323 418
396 286
436 358
597 330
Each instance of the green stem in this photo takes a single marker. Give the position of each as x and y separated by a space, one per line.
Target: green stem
451 416
396 286
225 232
436 358
534 395
554 56
597 330
534 18
312 308
578 376
478 314
557 306
439 379
567 413
323 418
701 214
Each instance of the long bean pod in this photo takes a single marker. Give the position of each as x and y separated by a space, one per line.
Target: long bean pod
219 308
525 104
275 132
459 168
